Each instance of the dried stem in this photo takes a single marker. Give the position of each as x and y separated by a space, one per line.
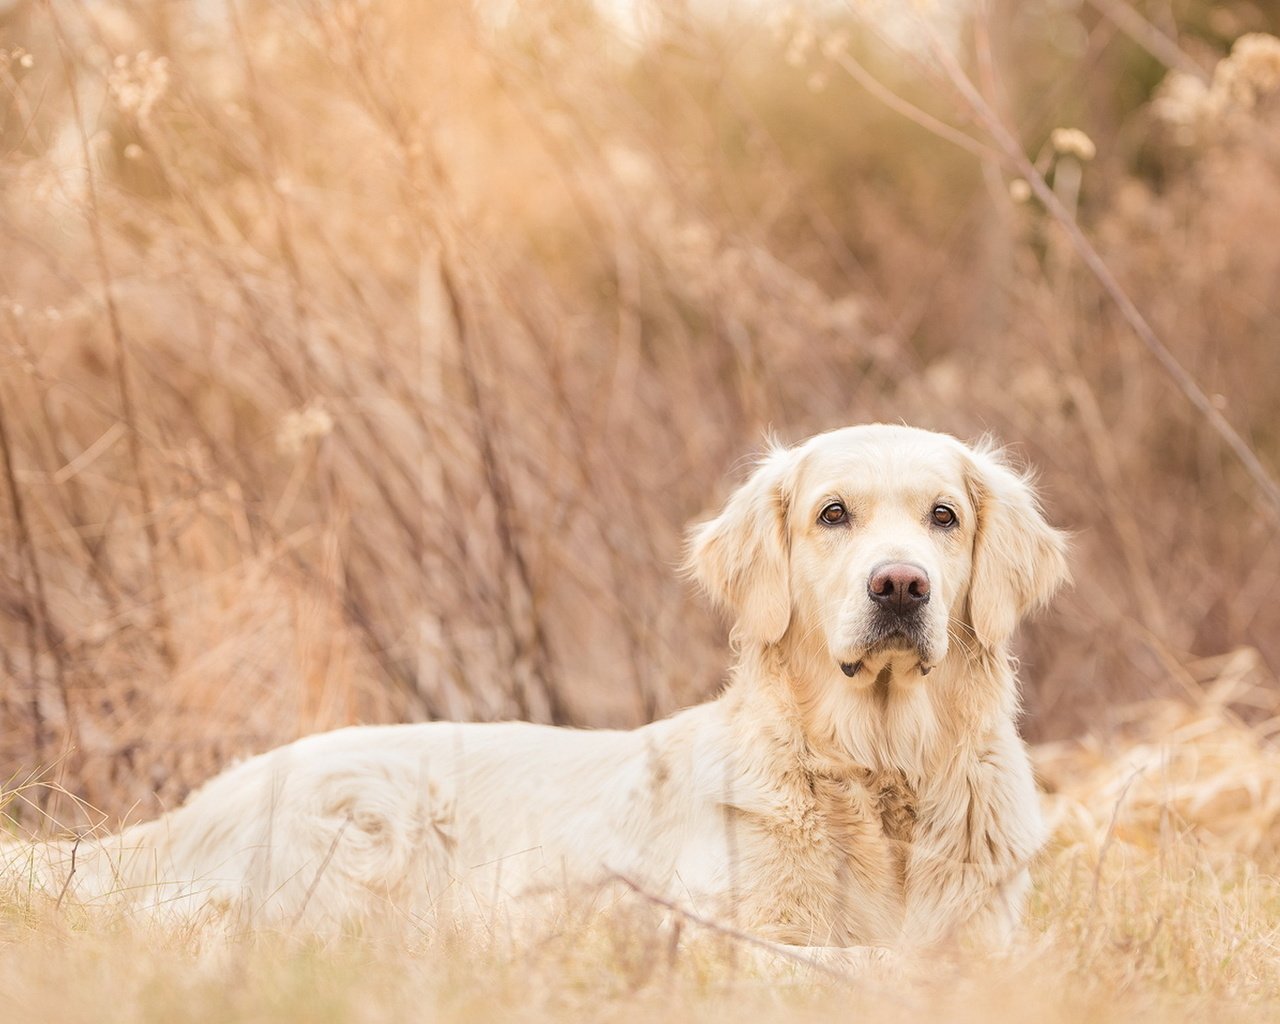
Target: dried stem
1149 37
124 388
1089 255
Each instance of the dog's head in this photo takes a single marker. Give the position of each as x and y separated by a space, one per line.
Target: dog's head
885 543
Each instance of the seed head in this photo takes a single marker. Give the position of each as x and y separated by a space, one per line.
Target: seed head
1073 142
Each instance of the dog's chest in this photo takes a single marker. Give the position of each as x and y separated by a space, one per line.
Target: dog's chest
829 859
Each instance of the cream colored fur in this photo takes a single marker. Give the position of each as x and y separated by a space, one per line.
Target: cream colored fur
801 805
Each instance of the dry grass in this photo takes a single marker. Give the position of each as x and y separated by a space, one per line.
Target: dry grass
365 361
1156 900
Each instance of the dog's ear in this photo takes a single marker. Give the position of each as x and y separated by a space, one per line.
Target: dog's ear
742 556
1019 560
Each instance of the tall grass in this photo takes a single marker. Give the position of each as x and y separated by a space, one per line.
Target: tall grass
366 361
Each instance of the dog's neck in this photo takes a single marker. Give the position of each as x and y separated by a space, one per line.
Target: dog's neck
881 723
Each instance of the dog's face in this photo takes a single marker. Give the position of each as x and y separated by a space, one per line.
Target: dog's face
888 544
881 547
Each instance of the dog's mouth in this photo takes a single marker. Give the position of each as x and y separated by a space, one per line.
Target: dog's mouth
884 645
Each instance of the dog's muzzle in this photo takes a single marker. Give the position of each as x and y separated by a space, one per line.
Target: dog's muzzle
898 592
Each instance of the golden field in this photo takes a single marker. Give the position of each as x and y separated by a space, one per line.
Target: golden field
365 361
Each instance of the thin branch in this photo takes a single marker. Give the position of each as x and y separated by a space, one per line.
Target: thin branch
1149 37
127 408
1089 255
1015 156
75 847
910 111
324 865
37 616
731 933
523 617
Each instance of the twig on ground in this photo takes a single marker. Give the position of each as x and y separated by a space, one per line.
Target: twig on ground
324 864
731 933
75 847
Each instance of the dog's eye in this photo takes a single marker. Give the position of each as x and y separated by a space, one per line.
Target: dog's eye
944 515
834 514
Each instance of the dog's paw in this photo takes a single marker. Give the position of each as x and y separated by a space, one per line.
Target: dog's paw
855 960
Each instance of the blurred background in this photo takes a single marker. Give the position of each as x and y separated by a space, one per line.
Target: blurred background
365 360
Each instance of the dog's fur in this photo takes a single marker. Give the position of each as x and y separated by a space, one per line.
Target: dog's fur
806 805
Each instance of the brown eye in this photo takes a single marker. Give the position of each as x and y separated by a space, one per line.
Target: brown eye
944 515
834 514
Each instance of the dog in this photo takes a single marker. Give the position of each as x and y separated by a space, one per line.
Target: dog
859 782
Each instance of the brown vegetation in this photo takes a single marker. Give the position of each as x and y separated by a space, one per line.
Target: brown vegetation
366 361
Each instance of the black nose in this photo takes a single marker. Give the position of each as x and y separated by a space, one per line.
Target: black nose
899 587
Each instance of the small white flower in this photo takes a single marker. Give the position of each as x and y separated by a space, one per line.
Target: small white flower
138 84
835 45
299 426
1073 142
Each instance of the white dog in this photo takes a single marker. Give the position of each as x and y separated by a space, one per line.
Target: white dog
860 781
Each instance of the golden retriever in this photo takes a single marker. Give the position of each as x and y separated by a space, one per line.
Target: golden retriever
859 782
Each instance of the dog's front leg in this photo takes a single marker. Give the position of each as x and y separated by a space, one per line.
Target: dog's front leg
978 828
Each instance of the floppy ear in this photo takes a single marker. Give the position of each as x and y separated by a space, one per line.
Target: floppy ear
1019 560
741 557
